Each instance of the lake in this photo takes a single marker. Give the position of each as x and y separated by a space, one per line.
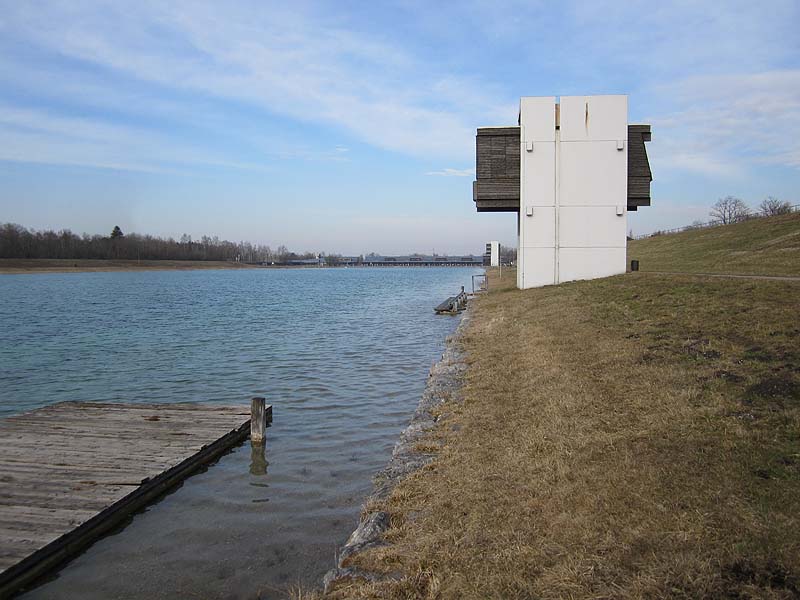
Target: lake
342 354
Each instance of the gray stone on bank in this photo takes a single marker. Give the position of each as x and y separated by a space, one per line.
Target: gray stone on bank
444 384
369 533
338 575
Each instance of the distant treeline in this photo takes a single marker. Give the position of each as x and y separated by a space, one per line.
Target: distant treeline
17 241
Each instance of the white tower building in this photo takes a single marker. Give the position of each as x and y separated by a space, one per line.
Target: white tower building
493 252
576 182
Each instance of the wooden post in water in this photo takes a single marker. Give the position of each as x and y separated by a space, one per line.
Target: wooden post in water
258 419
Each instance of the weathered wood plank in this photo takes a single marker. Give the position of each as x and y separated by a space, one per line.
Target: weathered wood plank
72 471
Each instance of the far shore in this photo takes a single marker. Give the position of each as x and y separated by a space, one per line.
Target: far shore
9 266
31 266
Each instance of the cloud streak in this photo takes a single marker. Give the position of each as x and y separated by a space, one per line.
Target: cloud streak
729 125
448 172
286 62
311 67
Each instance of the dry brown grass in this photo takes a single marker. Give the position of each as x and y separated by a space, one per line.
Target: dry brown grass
632 437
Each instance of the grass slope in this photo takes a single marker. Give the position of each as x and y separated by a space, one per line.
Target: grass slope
768 246
630 437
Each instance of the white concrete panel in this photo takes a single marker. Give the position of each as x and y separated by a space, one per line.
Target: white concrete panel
591 226
537 119
520 253
538 175
494 253
540 228
539 267
590 263
573 189
593 173
591 118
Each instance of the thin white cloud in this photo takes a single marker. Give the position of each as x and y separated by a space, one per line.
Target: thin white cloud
291 62
448 172
29 135
727 125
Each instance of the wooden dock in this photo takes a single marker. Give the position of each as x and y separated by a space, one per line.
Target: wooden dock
73 471
453 305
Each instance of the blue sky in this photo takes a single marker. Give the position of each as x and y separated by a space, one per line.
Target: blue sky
349 126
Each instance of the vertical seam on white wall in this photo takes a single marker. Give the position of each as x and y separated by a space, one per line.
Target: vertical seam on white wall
624 198
557 187
521 214
522 207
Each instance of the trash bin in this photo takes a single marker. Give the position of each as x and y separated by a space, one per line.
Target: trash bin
634 265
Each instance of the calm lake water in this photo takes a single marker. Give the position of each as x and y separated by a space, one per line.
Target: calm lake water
342 354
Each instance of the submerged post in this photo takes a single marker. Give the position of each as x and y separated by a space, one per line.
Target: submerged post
258 419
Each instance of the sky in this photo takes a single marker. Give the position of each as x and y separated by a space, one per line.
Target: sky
349 127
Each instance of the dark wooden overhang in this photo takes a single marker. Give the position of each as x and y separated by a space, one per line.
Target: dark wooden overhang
639 174
496 188
497 171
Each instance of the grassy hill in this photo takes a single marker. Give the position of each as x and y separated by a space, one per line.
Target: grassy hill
768 246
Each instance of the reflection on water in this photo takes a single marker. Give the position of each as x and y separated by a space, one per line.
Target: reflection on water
341 354
258 459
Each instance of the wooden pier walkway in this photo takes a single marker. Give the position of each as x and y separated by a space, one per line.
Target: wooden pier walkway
71 472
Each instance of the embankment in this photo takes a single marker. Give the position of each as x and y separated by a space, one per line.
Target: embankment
412 453
634 436
765 246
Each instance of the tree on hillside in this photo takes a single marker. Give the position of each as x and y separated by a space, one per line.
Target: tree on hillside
771 206
729 210
116 233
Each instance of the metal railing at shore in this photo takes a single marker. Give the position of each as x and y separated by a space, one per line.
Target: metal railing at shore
482 281
715 223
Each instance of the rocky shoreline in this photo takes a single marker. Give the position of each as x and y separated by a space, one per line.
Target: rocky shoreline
444 384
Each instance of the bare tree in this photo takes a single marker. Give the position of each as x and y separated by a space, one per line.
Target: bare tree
771 206
331 260
508 254
729 210
282 253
